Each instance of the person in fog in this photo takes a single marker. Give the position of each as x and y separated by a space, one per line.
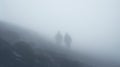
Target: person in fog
59 38
67 40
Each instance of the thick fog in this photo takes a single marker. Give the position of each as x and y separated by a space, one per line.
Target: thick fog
93 24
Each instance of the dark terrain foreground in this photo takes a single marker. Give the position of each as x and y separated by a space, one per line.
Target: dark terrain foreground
23 48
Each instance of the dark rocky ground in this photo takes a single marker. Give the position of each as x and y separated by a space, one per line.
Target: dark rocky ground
17 49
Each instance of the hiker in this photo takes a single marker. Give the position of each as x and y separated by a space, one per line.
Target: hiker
67 40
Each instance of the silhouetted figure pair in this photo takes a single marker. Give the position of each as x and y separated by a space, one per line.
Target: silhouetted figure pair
67 39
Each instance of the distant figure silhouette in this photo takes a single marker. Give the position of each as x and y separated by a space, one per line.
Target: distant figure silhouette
67 40
59 38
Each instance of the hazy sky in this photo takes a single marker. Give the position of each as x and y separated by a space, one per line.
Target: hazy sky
91 23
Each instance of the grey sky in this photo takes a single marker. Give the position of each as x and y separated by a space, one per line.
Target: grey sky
91 23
